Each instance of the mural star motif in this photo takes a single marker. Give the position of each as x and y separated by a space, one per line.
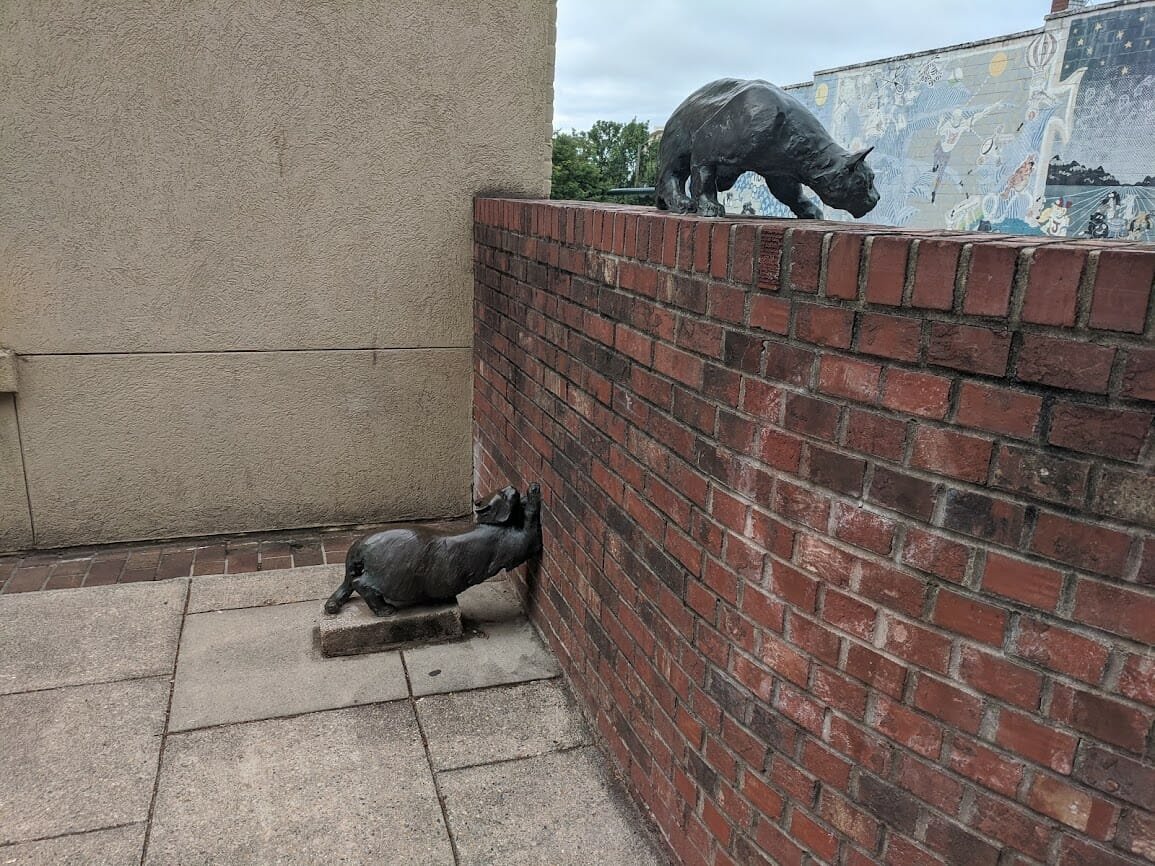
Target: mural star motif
1125 70
1127 44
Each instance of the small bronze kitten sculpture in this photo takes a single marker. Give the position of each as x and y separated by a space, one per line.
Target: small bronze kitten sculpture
403 567
732 126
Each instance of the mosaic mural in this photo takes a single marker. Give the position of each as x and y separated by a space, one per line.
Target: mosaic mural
1049 132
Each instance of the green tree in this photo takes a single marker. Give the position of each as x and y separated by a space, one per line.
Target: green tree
575 176
586 165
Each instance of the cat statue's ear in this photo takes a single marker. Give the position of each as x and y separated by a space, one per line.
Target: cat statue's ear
856 158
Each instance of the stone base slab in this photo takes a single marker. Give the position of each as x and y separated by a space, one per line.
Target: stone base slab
356 629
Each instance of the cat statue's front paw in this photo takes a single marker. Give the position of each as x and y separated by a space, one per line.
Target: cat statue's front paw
709 208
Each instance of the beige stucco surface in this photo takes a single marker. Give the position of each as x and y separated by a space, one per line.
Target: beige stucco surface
144 446
225 175
222 176
15 527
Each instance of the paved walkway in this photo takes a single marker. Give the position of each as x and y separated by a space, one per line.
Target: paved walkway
193 721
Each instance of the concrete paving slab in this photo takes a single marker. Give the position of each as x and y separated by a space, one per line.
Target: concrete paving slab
261 662
492 601
120 846
355 629
506 652
486 725
281 586
347 786
73 636
558 809
79 758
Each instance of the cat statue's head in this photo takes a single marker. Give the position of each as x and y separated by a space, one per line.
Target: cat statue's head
849 185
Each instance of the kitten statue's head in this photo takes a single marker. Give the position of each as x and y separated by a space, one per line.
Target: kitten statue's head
849 186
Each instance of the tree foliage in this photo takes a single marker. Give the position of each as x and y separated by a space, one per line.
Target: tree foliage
586 165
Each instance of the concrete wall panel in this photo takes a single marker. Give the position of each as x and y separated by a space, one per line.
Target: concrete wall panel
223 175
15 525
123 447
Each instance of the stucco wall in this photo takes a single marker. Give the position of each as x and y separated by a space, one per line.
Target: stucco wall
259 177
1028 134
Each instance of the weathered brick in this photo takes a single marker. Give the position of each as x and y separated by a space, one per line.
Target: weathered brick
886 270
957 708
959 846
744 254
805 259
849 377
812 416
1068 364
813 836
916 393
986 766
1106 719
1117 433
987 289
1053 285
967 616
1139 374
893 805
825 326
1041 475
849 614
900 724
770 314
1000 678
725 303
1045 745
946 452
1116 609
968 348
912 496
1137 680
836 472
1127 778
997 520
862 528
896 337
1023 581
936 555
1016 828
934 274
875 669
930 784
842 265
999 410
1083 545
1126 496
1122 290
875 434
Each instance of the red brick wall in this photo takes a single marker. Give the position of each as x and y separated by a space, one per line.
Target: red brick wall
849 535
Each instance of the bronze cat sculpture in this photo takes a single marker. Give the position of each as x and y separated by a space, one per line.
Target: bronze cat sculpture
403 567
733 126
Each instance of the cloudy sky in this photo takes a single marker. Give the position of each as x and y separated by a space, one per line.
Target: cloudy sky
621 59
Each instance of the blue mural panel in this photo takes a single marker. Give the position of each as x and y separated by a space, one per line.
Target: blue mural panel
1048 132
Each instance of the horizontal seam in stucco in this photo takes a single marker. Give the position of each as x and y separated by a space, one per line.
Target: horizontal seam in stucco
243 351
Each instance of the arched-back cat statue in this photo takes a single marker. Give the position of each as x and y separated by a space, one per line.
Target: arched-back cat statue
403 567
733 126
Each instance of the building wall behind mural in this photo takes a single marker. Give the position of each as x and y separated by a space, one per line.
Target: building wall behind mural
1046 132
